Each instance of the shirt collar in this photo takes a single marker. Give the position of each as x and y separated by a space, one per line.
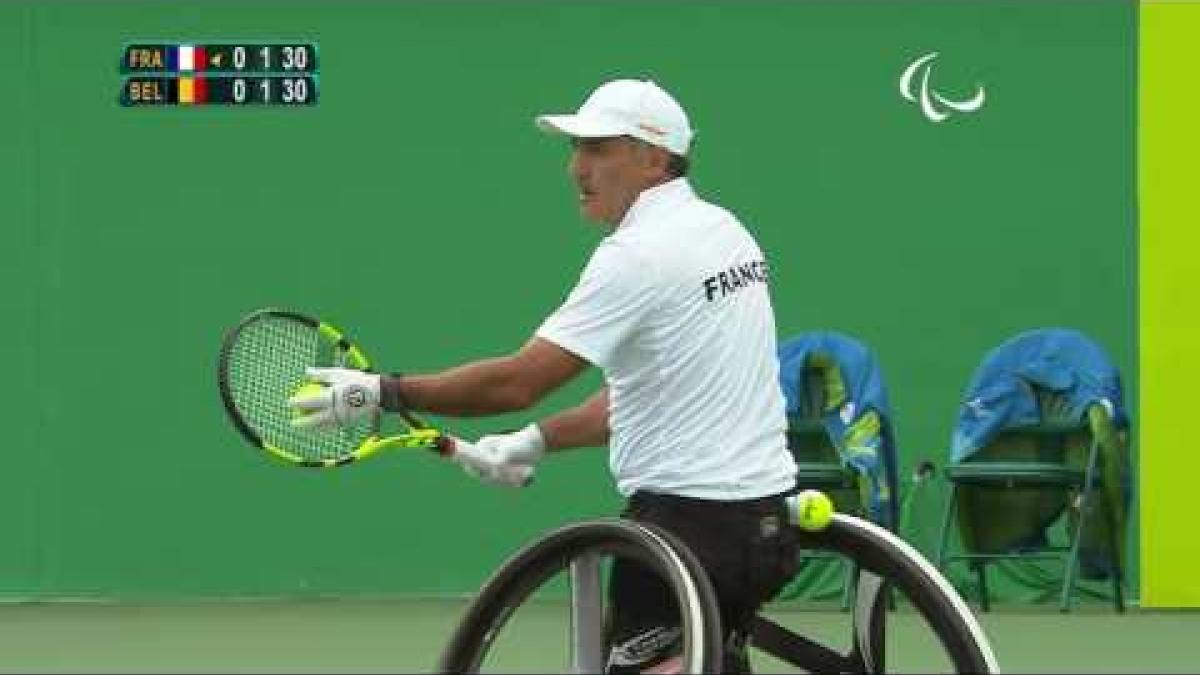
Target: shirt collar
658 197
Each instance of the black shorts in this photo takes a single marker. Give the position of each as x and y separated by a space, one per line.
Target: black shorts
746 547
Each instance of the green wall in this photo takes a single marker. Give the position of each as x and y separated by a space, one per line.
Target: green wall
19 242
418 208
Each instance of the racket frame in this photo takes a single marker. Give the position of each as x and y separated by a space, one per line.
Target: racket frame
421 435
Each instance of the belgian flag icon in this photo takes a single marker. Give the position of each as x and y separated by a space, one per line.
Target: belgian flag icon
192 90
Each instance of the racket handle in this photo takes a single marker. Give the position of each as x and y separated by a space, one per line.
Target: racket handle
445 445
512 475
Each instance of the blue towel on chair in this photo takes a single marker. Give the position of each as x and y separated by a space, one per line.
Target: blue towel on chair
865 392
1061 360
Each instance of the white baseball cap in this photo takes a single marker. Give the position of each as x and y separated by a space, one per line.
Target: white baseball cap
637 108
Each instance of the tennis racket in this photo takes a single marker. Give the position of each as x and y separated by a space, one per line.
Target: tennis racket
262 363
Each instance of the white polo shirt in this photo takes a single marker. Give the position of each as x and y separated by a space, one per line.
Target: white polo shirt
674 308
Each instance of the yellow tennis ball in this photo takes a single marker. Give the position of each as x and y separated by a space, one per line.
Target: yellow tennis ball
306 388
815 510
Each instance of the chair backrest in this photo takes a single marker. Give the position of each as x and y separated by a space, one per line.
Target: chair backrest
1044 460
1057 439
998 392
806 434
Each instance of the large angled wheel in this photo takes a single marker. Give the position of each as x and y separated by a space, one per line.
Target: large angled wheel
886 562
579 547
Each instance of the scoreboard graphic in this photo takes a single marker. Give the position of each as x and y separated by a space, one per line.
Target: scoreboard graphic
222 73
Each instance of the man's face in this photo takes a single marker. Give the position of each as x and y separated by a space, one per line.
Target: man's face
611 172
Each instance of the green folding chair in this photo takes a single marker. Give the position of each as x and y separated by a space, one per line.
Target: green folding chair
1006 496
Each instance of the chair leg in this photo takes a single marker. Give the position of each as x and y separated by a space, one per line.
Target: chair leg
1072 563
1118 571
947 520
981 573
1118 591
1072 560
943 557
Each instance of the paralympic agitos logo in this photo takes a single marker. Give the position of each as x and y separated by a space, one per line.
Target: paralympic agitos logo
934 105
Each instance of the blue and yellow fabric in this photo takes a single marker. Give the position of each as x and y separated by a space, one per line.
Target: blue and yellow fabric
854 411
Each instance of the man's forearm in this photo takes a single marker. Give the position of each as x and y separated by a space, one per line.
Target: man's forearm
487 386
585 425
484 387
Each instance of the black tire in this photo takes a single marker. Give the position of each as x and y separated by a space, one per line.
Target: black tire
528 569
882 553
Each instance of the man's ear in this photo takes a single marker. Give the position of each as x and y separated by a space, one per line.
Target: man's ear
662 159
656 160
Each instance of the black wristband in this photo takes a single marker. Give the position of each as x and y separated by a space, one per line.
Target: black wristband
390 396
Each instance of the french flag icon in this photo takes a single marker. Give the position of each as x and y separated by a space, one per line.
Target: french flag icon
186 58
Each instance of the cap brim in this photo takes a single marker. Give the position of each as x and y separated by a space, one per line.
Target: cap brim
578 127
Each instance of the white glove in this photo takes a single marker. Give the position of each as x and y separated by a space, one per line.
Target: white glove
484 467
346 395
526 446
